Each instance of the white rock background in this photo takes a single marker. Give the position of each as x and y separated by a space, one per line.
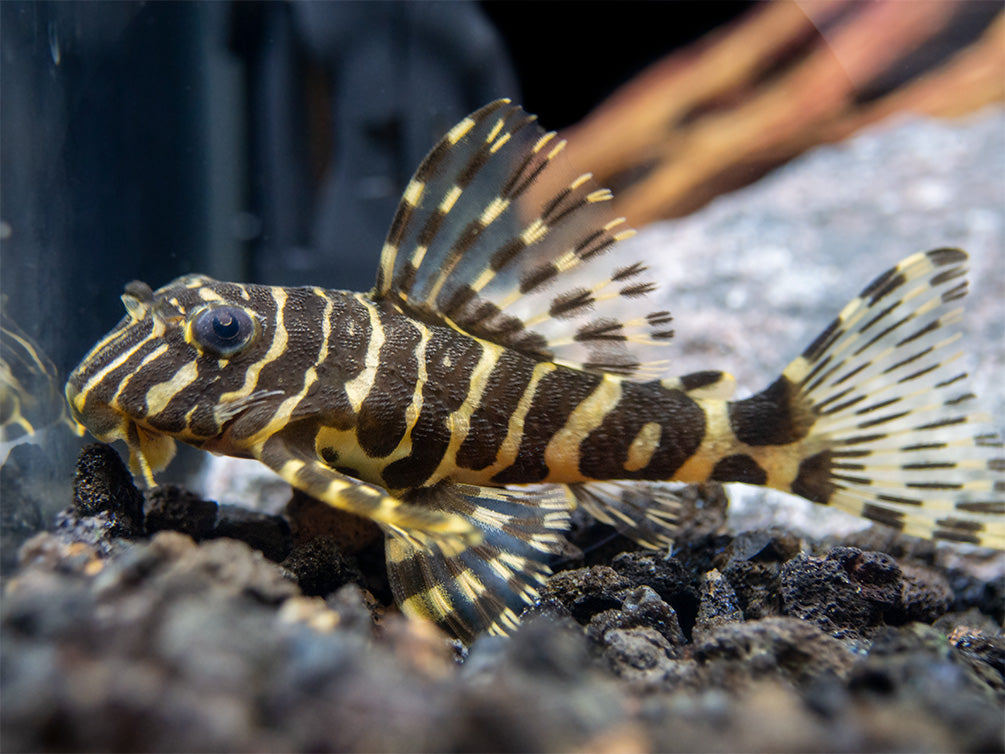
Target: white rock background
757 274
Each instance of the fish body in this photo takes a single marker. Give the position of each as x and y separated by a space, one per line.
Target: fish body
502 371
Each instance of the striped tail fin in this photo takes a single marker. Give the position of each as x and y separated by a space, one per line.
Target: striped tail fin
890 433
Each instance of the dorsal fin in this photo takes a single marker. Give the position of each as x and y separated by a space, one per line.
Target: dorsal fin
493 237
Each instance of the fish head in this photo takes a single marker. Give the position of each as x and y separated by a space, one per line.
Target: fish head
179 365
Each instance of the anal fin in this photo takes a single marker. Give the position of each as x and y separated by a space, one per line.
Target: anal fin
646 512
484 587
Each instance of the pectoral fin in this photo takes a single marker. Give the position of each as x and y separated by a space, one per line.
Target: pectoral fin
427 526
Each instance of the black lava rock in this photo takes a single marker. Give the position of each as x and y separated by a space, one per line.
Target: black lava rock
915 667
718 604
172 508
266 533
103 484
584 592
320 567
846 592
778 647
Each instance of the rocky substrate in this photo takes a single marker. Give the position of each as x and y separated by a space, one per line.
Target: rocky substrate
166 622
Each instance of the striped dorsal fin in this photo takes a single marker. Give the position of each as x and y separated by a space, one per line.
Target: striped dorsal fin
486 586
496 237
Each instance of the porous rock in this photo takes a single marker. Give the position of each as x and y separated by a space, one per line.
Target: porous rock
103 484
718 604
751 565
320 567
914 667
778 647
845 592
171 508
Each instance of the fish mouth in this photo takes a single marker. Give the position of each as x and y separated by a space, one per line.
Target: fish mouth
103 422
149 449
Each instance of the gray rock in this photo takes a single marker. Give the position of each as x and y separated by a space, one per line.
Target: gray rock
755 276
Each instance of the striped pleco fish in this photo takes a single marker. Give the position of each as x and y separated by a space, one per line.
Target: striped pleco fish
491 381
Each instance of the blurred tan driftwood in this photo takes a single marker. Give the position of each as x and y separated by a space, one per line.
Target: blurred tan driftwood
785 77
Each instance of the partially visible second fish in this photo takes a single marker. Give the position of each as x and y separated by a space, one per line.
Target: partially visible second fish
31 395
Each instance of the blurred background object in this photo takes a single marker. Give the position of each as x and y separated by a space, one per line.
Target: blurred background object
343 102
782 78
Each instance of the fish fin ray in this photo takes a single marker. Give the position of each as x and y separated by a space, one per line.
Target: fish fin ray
427 526
484 587
895 437
649 513
494 236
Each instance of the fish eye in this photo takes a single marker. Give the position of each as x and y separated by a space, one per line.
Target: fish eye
223 330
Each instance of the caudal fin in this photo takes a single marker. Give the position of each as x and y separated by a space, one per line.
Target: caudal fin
891 433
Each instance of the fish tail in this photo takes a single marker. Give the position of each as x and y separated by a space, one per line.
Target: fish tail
875 417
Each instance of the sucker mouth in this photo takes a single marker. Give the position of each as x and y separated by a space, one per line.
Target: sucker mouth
149 449
103 422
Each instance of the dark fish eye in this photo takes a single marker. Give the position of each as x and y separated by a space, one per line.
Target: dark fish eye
223 330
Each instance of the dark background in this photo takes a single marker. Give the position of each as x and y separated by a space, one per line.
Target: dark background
568 58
